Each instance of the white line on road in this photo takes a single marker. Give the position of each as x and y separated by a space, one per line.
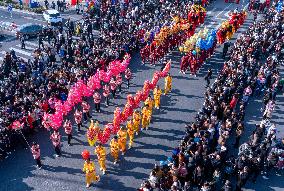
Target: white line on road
20 51
224 10
227 13
25 59
209 12
26 48
31 18
4 53
31 43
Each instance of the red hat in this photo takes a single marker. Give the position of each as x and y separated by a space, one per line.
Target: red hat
85 154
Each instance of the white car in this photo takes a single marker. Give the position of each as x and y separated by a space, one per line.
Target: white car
52 16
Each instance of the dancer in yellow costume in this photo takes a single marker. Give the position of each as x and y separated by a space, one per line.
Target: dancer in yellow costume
122 139
136 119
150 102
90 170
130 131
168 84
77 30
157 97
146 116
101 154
114 149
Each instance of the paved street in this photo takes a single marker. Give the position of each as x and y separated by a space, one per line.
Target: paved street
20 17
19 172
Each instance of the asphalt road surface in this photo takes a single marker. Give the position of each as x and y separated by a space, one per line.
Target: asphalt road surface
19 172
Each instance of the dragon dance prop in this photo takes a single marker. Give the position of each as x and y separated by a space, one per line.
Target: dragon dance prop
176 25
80 90
229 27
279 6
199 47
121 115
164 39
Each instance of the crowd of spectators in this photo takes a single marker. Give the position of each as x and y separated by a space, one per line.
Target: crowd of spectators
206 158
67 54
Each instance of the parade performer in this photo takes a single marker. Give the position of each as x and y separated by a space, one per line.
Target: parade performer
131 132
118 80
78 119
150 102
114 149
97 101
146 116
68 130
193 65
184 64
106 93
36 154
55 138
157 97
112 84
101 154
168 84
128 76
92 133
145 53
136 118
122 139
89 169
86 109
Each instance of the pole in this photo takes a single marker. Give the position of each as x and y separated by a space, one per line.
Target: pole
24 138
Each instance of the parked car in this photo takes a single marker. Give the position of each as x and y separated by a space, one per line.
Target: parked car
52 17
28 30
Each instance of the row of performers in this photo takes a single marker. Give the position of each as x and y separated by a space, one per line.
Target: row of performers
228 28
193 60
156 50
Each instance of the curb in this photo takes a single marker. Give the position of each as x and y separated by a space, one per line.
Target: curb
20 11
33 13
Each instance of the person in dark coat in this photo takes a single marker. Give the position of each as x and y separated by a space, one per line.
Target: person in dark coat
225 49
242 178
208 77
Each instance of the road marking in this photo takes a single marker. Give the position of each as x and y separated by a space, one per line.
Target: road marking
25 59
20 51
20 11
227 13
209 12
31 43
224 10
31 18
218 26
26 48
4 53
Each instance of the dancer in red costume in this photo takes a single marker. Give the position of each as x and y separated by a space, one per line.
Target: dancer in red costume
184 63
145 53
201 16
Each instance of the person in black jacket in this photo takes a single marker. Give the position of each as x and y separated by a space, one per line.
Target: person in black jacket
208 77
225 49
242 178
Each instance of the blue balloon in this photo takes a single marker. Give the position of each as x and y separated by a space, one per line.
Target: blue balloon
208 42
170 159
163 163
194 52
279 7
